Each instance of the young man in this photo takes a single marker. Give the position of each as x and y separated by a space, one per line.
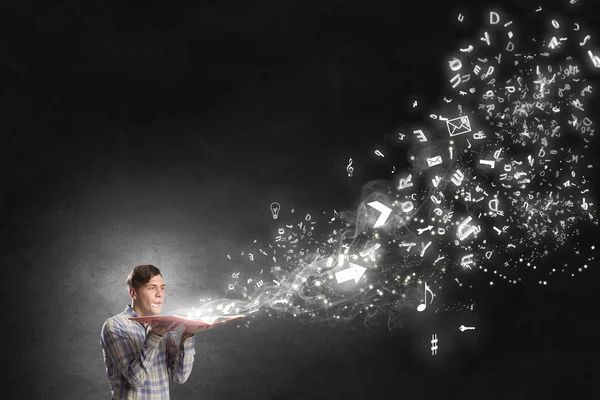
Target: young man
139 358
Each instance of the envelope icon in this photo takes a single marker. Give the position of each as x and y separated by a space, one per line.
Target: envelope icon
434 161
458 126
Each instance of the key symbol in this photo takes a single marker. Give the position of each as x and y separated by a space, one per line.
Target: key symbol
464 328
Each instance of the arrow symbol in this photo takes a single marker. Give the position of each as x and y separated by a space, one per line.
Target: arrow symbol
354 272
385 213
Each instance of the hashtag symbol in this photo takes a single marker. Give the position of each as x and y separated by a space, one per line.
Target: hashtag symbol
434 346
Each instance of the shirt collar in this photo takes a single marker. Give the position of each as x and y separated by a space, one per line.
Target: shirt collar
129 312
132 314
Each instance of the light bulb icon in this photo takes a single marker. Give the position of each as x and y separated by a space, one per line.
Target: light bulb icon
275 207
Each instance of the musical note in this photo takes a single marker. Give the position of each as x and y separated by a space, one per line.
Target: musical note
349 168
423 306
584 205
434 345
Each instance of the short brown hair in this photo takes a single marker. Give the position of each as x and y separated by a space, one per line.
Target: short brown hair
141 275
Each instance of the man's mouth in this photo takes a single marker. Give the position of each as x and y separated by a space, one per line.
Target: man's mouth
156 305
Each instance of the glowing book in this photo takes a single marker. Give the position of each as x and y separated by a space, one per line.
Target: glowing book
196 321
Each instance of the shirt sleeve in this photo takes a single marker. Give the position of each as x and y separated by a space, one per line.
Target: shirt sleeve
180 357
133 365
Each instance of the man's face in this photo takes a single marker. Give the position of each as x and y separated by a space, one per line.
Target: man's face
148 299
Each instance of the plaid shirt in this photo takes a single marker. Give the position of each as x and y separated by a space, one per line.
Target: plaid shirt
138 364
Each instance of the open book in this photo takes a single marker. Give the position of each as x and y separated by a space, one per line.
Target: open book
196 321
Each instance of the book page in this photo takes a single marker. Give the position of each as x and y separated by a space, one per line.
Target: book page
199 321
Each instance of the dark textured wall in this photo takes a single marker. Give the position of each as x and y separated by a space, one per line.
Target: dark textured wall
160 134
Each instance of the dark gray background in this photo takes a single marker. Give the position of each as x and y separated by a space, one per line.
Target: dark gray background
161 133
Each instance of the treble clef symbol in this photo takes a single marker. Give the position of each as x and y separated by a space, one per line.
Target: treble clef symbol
349 168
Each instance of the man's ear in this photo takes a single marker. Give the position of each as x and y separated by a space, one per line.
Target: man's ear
132 293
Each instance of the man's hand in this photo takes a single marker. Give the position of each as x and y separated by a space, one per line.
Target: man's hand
191 330
162 328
